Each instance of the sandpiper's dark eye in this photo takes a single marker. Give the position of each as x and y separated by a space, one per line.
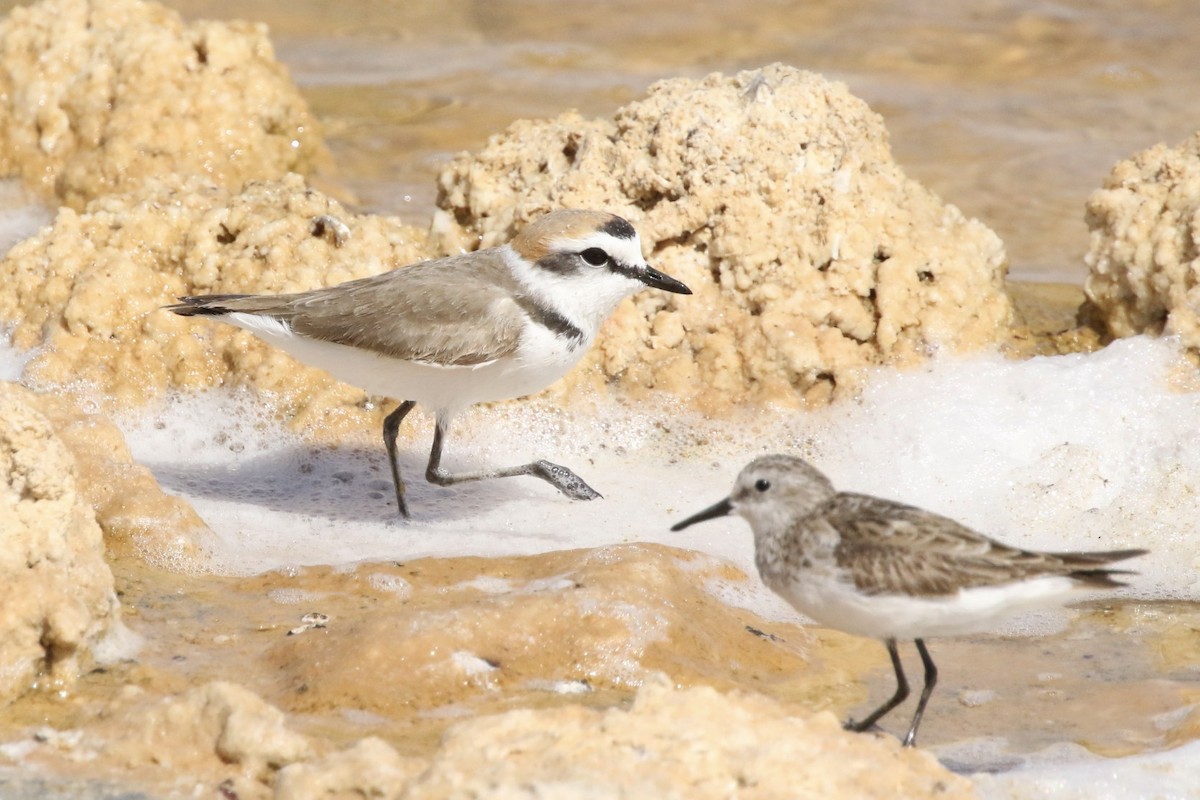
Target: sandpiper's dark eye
594 256
762 484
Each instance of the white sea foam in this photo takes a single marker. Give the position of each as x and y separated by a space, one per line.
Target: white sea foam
12 361
20 215
1069 772
1071 452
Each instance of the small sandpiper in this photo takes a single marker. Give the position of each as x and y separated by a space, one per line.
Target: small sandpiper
488 325
878 568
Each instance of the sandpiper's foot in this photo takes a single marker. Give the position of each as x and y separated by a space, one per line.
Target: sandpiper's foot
858 727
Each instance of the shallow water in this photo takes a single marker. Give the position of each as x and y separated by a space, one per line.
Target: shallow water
1013 110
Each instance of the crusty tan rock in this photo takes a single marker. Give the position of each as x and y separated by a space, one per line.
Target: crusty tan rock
218 719
695 743
56 591
97 95
138 518
369 768
771 193
89 290
1144 256
215 739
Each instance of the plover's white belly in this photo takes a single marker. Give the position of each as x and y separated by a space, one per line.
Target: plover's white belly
837 604
539 361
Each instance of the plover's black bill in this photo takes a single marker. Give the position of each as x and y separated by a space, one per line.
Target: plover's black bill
721 509
660 280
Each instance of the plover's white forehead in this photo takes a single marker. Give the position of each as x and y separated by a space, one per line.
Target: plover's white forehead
575 229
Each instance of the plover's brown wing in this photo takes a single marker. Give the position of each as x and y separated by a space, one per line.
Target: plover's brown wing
889 547
431 312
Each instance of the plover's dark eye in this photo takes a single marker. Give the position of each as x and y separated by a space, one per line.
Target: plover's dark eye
594 256
762 484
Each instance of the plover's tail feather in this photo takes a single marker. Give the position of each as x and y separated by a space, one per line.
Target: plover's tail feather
208 305
215 305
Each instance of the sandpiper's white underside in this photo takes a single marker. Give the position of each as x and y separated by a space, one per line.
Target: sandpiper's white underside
540 359
838 604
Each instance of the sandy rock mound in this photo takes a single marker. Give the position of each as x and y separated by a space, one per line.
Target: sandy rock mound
219 718
369 768
97 95
1145 245
138 518
774 196
89 288
695 743
57 598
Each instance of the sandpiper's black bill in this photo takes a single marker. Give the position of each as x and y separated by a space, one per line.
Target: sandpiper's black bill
660 280
721 509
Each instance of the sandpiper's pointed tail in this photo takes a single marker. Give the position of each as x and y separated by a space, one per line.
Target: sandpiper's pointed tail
1090 572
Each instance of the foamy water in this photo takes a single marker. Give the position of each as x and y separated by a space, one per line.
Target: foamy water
1071 452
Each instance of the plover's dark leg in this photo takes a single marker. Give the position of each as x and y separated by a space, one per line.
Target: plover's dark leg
898 698
910 740
560 478
391 428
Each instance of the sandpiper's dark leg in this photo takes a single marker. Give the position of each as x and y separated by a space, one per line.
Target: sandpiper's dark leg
391 427
898 698
910 740
560 478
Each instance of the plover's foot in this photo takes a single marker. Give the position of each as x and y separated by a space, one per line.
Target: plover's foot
564 480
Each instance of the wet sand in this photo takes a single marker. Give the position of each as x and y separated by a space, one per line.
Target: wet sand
1113 680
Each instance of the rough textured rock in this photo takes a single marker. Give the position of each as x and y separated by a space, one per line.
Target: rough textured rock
56 592
89 288
218 739
695 743
369 768
96 96
1145 245
671 742
137 517
774 196
218 719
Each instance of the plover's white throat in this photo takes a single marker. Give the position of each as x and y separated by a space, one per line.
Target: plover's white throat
878 568
489 325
